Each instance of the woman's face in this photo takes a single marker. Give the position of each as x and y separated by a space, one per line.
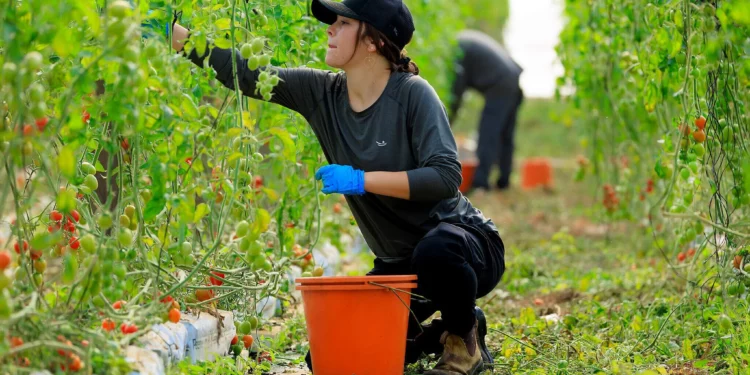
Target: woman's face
343 40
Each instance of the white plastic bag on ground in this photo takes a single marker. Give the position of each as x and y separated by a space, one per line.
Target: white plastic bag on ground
267 306
167 340
144 361
208 340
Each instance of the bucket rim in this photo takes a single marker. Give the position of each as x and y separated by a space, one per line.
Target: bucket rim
407 287
354 280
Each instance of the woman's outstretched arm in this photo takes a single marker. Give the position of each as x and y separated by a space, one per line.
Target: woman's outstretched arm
299 89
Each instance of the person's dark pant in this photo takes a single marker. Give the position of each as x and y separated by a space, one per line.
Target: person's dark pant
455 265
496 136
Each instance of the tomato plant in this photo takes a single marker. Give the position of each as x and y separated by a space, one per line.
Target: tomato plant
665 85
146 185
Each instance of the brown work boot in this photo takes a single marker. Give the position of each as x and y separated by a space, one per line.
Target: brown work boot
461 355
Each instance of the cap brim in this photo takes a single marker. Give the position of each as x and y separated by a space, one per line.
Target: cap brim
327 11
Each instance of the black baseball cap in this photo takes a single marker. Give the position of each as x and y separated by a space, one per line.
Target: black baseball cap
390 17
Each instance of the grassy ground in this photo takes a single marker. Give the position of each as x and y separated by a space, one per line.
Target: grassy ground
583 296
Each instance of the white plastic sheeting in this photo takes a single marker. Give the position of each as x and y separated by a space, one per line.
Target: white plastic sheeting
197 338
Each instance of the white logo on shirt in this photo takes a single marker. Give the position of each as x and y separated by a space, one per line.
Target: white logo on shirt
381 144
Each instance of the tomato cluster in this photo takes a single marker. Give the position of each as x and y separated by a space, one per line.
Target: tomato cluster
611 201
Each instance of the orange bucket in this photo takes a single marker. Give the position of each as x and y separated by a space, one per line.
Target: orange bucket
536 172
356 327
468 168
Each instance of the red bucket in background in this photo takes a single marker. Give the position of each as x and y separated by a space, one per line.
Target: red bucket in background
536 172
468 168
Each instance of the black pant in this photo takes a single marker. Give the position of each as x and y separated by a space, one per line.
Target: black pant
496 136
455 265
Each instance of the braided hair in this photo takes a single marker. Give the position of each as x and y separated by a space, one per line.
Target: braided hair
398 58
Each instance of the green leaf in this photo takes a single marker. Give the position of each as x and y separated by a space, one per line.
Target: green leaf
676 45
156 204
262 220
66 200
528 316
271 194
223 23
232 158
90 15
247 121
62 45
223 43
703 363
70 269
45 240
66 162
188 106
200 212
200 42
740 12
687 349
290 150
637 324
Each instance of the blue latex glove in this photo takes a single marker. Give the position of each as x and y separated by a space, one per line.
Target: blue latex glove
341 179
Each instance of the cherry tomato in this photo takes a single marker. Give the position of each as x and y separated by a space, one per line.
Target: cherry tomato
699 136
204 294
174 315
40 266
108 325
18 249
55 215
75 363
248 341
74 243
4 259
215 281
700 122
16 342
35 254
41 123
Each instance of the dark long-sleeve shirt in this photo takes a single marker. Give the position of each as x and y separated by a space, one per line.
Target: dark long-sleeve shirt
406 129
484 66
